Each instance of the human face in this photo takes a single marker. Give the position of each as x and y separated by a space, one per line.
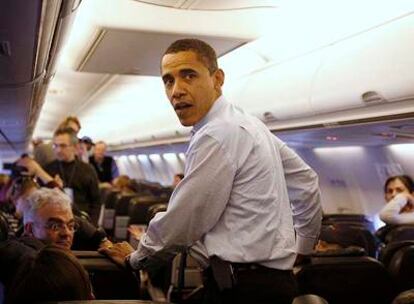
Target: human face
63 147
99 151
189 86
54 225
393 188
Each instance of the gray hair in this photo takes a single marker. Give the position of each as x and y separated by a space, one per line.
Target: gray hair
42 197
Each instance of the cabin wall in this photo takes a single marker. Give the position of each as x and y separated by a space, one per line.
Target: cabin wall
351 178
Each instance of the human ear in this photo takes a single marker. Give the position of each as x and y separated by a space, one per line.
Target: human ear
219 78
28 229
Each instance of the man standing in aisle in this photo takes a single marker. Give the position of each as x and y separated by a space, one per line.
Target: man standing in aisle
233 204
80 181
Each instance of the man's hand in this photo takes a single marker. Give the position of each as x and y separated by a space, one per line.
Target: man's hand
58 181
30 164
35 169
106 244
117 252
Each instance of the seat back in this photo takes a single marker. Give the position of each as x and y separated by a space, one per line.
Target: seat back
349 219
122 217
154 209
401 267
138 209
400 233
390 249
342 280
108 280
350 235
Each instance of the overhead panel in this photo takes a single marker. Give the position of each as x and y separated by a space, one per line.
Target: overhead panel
128 52
378 63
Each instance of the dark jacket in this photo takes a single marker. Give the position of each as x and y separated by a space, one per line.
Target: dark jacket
82 178
106 170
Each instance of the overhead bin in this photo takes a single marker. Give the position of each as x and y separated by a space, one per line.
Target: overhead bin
283 90
380 60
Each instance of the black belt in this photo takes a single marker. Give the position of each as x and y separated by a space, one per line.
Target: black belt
246 266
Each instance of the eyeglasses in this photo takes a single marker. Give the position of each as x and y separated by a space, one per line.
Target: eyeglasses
62 146
60 226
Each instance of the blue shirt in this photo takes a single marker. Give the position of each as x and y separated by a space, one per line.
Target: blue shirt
233 201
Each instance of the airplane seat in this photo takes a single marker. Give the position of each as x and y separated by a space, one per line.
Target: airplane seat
350 235
154 209
122 216
351 219
400 233
342 280
4 228
309 299
401 268
139 207
349 251
405 297
389 250
108 280
103 193
109 203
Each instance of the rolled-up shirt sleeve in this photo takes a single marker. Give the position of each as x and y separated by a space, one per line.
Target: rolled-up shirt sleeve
304 195
391 213
196 204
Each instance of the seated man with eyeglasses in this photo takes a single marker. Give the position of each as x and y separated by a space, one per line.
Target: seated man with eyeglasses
48 219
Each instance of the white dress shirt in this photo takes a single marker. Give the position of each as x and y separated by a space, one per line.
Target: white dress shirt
391 213
233 200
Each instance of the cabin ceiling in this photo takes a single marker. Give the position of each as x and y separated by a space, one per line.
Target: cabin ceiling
291 63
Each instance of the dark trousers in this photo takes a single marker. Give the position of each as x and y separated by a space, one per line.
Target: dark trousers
254 285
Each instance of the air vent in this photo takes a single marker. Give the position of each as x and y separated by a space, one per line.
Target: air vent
372 97
5 48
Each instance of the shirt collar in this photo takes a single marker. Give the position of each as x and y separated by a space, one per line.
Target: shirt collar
215 109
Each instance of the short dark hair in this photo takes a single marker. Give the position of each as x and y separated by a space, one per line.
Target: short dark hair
67 120
69 131
405 179
204 51
54 274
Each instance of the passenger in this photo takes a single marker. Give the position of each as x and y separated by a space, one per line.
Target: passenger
80 181
177 178
399 209
105 166
232 205
87 237
123 184
53 274
85 149
48 219
32 168
43 152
